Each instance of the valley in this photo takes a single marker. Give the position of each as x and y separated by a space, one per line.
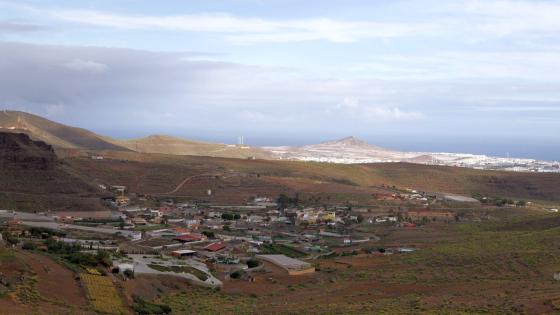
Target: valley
141 231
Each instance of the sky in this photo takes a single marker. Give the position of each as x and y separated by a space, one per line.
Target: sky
454 76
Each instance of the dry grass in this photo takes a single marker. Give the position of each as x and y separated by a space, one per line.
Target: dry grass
103 294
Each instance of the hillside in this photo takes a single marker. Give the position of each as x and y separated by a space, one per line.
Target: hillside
177 146
18 151
240 179
58 135
33 178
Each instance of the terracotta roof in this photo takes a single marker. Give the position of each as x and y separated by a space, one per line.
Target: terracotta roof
188 238
214 247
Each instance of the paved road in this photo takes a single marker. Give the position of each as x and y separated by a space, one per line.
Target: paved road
61 226
24 216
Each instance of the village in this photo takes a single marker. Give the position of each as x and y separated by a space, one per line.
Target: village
207 244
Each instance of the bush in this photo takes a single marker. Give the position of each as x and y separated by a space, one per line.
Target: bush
29 246
208 234
71 253
142 306
9 238
237 274
252 263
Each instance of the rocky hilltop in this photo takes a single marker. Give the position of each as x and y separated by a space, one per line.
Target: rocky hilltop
17 150
32 178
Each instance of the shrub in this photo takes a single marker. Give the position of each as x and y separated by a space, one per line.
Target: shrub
252 263
237 274
208 234
29 246
142 306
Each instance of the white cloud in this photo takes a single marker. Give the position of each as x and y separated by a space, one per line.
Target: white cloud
250 29
350 102
525 65
86 66
503 17
524 108
354 108
390 113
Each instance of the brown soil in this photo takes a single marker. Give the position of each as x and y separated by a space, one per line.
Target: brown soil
55 282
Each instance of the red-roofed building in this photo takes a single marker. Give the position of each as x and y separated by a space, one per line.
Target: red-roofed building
186 238
165 209
214 247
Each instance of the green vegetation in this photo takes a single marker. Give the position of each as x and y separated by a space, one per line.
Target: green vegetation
9 238
29 246
71 254
142 307
209 234
231 216
237 274
253 263
209 302
181 269
40 232
283 250
284 201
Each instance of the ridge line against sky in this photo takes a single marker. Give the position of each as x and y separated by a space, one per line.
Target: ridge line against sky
290 72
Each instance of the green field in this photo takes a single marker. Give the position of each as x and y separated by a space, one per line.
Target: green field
282 250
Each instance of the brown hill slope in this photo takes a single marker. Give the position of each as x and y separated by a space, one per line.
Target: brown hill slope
153 173
177 146
58 135
33 179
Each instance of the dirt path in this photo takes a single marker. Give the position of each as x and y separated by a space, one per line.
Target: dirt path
189 178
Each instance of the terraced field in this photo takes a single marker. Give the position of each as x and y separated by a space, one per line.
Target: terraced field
103 294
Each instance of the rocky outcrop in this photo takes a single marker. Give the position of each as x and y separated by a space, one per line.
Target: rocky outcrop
18 151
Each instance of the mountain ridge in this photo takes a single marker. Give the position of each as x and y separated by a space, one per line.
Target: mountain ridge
33 177
347 150
53 133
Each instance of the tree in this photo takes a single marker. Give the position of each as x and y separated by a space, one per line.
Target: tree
29 246
237 274
252 263
9 238
104 258
360 218
208 234
283 201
